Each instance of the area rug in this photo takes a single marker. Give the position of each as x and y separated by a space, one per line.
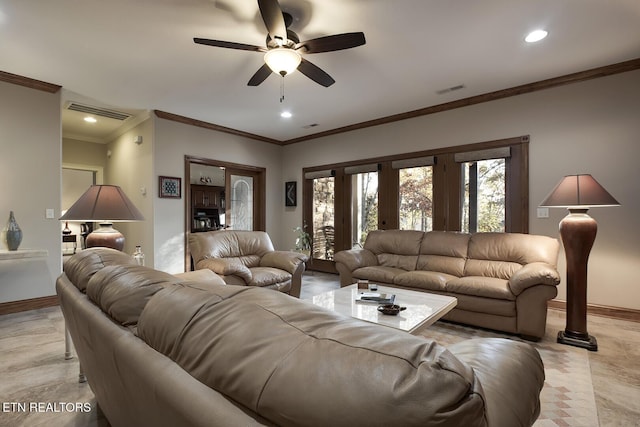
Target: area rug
567 399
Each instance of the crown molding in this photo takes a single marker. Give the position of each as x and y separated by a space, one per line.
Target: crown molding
199 123
27 82
581 76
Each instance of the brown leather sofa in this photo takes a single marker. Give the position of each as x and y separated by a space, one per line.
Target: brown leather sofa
247 258
502 280
160 350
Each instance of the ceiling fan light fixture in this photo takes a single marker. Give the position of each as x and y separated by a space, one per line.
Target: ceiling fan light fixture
282 60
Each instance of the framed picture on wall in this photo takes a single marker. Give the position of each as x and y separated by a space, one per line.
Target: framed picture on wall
169 187
290 193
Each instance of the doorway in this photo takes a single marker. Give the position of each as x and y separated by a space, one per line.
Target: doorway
222 195
76 179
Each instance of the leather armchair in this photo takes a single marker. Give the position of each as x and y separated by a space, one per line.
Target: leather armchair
248 258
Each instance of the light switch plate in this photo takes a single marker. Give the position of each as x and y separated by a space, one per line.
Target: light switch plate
49 214
543 212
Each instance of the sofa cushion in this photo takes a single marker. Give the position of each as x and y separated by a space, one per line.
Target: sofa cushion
378 274
287 360
395 248
502 254
166 317
265 276
491 268
80 267
443 251
245 246
123 291
488 287
427 280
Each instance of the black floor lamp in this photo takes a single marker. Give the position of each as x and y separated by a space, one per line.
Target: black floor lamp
578 231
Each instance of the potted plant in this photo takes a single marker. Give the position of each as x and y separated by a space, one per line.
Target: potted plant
303 240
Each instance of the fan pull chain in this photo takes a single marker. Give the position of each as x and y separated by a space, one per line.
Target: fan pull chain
282 90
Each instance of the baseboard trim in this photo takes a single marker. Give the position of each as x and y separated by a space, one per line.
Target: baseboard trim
602 310
28 304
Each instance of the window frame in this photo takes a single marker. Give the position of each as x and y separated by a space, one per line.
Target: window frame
447 179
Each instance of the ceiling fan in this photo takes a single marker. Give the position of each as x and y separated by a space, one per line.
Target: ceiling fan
283 47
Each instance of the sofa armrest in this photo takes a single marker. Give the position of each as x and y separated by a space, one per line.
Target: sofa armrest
511 374
350 260
284 260
536 273
225 267
356 258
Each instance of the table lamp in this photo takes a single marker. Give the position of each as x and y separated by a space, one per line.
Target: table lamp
578 231
104 204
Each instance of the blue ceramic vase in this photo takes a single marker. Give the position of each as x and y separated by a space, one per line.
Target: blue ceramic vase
14 234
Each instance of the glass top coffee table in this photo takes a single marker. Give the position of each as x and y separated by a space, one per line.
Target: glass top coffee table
423 309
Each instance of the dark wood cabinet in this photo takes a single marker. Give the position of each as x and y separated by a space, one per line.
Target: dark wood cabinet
207 204
205 196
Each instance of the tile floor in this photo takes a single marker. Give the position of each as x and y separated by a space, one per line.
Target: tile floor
33 368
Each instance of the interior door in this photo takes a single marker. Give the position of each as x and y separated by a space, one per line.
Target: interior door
242 197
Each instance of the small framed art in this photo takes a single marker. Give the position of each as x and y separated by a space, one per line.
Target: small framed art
169 187
290 193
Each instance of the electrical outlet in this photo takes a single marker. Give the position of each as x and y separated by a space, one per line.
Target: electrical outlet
543 213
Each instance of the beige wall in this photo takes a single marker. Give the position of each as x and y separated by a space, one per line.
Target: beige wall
77 152
30 165
130 166
589 127
174 141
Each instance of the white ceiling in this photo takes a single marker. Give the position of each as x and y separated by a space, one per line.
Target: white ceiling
139 55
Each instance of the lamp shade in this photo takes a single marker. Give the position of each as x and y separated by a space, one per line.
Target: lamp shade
103 203
282 60
580 191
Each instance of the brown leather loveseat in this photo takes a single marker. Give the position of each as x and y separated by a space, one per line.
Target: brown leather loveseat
160 350
502 280
248 258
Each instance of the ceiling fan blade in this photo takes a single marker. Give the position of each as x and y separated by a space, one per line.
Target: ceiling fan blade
273 19
332 43
315 73
260 75
229 45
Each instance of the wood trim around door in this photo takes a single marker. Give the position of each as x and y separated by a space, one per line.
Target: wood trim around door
259 203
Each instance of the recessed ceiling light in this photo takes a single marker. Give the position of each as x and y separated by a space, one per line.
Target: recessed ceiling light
286 115
90 119
535 36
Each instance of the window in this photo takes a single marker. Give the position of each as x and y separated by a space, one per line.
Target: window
323 230
416 198
472 188
364 201
415 193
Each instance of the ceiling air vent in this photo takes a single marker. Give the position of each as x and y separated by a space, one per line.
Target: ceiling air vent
117 115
